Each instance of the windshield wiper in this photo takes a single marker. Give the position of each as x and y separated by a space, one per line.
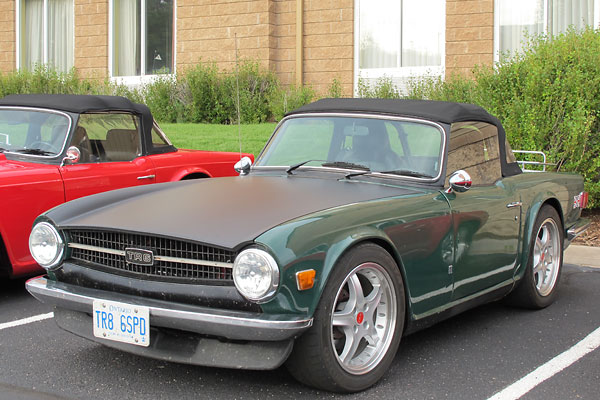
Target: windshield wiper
296 166
35 152
2 150
407 172
345 165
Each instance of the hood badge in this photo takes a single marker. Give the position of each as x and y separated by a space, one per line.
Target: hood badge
139 256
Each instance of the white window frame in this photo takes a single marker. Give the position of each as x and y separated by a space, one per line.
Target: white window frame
44 33
393 73
546 15
137 80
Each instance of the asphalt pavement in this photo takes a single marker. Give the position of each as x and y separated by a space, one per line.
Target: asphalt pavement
471 356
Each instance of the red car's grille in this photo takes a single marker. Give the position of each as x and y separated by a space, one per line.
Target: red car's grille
171 259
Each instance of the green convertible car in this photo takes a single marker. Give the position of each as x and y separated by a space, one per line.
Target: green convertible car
361 221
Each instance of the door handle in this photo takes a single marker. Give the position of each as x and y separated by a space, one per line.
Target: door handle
146 177
510 205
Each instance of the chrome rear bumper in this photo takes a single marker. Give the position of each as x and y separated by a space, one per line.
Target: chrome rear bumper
580 226
234 325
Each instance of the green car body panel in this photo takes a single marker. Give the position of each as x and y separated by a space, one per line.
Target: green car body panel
420 232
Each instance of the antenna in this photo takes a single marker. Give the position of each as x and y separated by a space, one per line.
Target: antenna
237 84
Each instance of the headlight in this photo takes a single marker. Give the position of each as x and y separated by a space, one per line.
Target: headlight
46 245
256 275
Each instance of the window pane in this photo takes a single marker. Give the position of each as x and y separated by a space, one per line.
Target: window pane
423 37
108 137
126 37
474 148
32 132
159 37
379 33
60 34
32 34
565 13
518 20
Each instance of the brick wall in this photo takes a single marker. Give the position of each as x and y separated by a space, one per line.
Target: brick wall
469 35
7 36
91 38
329 43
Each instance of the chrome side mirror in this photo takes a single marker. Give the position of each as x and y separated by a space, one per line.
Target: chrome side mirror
460 181
243 166
73 156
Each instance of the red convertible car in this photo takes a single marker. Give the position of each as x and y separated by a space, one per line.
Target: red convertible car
56 148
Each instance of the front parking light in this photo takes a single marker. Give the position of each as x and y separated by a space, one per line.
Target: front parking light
46 245
256 275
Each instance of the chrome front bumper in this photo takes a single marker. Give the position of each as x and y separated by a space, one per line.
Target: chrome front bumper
234 325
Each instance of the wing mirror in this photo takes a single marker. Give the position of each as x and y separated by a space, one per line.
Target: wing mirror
460 181
73 156
243 166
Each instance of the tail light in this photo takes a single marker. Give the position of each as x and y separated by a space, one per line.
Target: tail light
581 200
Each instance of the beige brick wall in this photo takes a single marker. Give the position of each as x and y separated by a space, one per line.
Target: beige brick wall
91 38
469 35
266 31
7 36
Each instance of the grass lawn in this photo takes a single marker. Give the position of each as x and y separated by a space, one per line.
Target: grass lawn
219 137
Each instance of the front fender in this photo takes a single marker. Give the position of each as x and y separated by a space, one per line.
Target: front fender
180 174
320 254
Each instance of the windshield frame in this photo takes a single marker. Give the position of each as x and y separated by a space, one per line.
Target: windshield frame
46 110
385 117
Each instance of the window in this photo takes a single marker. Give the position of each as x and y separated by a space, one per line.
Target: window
45 34
107 137
516 20
474 148
399 38
142 37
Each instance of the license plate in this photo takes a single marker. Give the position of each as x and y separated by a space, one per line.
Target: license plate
121 322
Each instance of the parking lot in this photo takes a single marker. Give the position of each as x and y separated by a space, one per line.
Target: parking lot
472 356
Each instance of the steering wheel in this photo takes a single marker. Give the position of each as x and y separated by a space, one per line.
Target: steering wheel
44 146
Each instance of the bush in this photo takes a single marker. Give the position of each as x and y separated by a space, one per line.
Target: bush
548 99
284 100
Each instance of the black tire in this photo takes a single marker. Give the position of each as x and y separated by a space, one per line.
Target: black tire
537 289
317 356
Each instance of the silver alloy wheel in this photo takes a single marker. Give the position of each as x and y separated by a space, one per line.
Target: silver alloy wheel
546 257
363 318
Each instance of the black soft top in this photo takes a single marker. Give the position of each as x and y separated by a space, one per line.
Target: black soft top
437 111
77 103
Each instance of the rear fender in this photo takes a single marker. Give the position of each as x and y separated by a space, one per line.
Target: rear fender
188 172
531 214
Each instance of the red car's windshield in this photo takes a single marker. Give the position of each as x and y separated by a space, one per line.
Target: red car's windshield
33 132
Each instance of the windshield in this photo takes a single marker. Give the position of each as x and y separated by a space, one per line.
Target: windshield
394 146
39 133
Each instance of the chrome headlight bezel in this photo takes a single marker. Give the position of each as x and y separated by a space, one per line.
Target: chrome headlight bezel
53 235
270 269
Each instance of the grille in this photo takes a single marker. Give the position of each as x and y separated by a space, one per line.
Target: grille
173 259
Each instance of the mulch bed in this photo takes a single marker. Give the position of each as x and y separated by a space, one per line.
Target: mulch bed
591 237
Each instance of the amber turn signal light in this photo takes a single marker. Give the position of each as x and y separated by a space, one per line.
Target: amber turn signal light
305 279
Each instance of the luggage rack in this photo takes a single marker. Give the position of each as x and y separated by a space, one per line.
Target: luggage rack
523 164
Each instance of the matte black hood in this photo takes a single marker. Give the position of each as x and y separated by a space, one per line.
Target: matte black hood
226 212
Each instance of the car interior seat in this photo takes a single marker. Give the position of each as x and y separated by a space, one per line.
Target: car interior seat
121 145
82 142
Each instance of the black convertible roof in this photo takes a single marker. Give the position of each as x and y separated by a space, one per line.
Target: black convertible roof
74 102
438 111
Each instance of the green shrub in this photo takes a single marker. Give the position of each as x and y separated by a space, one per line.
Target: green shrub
284 100
384 88
548 99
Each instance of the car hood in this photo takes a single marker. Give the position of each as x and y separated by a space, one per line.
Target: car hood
225 212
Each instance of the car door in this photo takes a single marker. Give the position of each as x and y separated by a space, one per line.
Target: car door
111 156
486 218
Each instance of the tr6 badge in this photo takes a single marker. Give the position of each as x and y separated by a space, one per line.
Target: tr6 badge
139 256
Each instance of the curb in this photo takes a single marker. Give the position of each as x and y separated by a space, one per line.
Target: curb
586 256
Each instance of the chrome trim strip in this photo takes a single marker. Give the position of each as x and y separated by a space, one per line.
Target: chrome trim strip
236 325
98 249
158 258
360 115
194 262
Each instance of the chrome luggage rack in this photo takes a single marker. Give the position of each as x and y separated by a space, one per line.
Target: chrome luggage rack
523 164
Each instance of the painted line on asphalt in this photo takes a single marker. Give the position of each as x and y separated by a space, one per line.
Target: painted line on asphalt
551 368
26 321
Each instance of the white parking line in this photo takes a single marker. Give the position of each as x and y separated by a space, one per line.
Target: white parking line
26 321
551 368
